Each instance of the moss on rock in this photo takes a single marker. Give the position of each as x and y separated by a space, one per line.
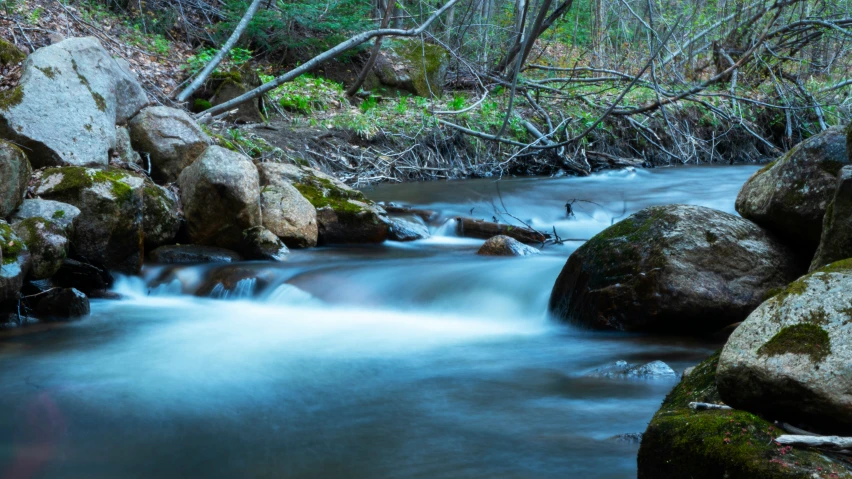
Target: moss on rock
10 54
10 98
684 443
10 244
806 339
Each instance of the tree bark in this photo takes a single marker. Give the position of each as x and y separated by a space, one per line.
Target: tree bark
374 54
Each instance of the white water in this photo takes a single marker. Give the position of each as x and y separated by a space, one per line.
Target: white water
400 360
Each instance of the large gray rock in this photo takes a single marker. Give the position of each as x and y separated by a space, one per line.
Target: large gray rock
161 217
220 193
70 97
790 360
836 241
675 268
192 254
170 137
789 197
47 244
288 215
109 230
63 214
14 262
414 66
407 228
124 148
505 246
14 176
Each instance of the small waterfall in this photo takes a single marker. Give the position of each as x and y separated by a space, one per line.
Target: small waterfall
244 289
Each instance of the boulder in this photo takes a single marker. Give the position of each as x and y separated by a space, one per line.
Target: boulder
161 218
789 197
288 215
505 246
683 443
14 262
233 84
170 138
70 97
625 370
86 277
47 243
412 65
790 359
62 304
261 244
192 254
407 228
15 174
836 241
10 54
344 214
63 214
220 193
675 268
108 231
124 151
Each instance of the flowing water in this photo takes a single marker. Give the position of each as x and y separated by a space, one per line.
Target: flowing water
415 360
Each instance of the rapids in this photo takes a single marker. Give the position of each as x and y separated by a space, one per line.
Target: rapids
402 360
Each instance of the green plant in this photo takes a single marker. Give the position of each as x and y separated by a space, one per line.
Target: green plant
402 105
34 16
369 103
457 103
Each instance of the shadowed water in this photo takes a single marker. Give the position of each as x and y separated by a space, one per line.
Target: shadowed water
417 360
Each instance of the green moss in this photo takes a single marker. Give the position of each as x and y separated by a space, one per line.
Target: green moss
831 167
58 214
10 244
344 209
683 443
710 236
842 266
100 102
829 217
10 54
232 75
88 127
765 168
75 178
120 190
10 98
201 104
426 61
808 339
793 289
49 72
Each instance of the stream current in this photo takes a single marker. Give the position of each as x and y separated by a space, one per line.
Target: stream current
401 360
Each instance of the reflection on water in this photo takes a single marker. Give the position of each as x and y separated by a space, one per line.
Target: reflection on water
401 360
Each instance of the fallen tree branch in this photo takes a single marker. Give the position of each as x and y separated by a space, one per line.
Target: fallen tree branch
829 442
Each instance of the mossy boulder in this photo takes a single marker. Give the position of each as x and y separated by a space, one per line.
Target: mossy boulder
674 269
790 196
170 138
14 262
62 214
836 240
232 84
47 243
15 174
109 229
344 215
10 54
220 192
288 215
161 218
682 443
790 359
261 244
414 66
71 96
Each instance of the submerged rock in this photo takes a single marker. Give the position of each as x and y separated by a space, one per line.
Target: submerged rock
676 268
170 138
62 304
407 228
220 193
191 254
60 213
109 230
47 244
836 241
86 93
14 262
789 197
259 243
682 443
235 282
505 246
14 176
790 359
623 369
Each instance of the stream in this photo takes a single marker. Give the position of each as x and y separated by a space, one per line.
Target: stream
401 360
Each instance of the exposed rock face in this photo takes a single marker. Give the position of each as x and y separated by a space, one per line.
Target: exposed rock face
836 241
160 215
261 244
790 359
47 244
407 228
681 443
86 93
789 197
220 193
124 148
344 215
234 84
505 246
86 277
109 229
675 268
60 213
14 262
414 66
170 137
625 370
289 215
14 175
190 254
63 304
